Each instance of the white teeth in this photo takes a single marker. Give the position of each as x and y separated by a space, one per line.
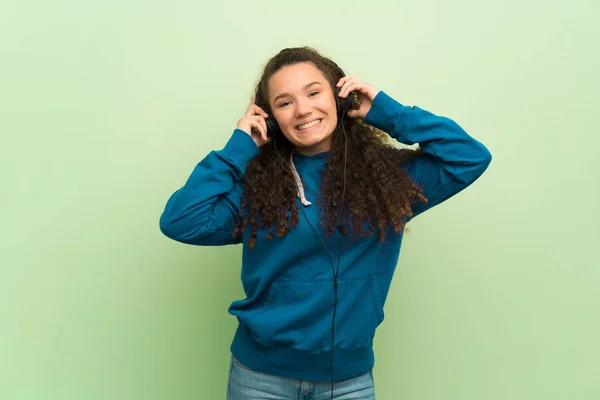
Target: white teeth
310 124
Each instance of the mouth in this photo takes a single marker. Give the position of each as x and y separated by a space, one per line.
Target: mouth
310 126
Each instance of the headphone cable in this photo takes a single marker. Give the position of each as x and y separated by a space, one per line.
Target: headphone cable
336 269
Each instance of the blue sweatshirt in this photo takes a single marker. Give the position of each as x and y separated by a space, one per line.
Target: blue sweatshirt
285 321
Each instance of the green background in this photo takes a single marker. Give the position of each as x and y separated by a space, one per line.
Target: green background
106 107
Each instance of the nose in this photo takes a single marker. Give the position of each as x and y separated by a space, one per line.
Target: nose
303 108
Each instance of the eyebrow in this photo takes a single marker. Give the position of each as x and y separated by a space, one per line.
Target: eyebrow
304 88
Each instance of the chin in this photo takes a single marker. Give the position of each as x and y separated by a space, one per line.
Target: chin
311 141
313 137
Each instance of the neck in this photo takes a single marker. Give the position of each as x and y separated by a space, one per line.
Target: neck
306 153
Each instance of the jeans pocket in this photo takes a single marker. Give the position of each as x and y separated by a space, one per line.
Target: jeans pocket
238 364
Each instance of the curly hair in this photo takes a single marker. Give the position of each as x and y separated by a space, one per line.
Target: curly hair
378 190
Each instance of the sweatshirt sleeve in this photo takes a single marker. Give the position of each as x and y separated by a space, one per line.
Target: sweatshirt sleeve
451 159
204 211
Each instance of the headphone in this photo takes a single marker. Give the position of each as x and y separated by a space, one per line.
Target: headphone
343 105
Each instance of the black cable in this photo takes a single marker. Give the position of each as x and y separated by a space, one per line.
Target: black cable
336 269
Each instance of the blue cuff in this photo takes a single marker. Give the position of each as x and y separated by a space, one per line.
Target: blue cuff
240 149
384 112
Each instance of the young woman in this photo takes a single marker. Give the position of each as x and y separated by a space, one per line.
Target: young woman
313 188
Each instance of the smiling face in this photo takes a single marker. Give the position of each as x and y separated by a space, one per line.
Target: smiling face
303 105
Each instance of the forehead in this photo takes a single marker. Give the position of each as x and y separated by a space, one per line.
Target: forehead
292 78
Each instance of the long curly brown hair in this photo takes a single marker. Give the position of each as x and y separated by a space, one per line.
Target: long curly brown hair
378 190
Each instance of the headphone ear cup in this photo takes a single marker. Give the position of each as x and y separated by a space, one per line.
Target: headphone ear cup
343 104
272 127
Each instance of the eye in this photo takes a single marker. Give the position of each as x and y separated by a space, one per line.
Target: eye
313 93
285 103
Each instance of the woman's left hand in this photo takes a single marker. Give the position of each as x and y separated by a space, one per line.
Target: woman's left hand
366 94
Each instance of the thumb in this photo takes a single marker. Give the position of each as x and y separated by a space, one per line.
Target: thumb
354 113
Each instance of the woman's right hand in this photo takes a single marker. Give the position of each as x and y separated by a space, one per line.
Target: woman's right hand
254 124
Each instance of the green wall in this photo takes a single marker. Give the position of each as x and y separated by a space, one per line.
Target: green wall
107 106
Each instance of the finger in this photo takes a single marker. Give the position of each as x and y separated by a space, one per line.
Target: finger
256 110
263 123
257 130
347 88
259 111
250 110
347 84
356 87
346 79
342 80
251 105
353 113
260 124
261 118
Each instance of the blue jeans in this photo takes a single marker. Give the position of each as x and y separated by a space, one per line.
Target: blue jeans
247 384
